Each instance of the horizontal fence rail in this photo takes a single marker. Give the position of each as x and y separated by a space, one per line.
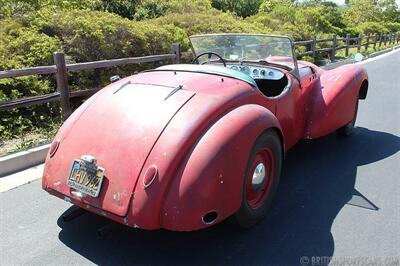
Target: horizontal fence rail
120 62
346 43
61 69
41 70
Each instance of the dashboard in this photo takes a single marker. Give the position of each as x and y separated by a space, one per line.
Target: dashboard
257 72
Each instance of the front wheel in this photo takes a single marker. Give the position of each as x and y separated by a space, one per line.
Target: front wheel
347 129
261 179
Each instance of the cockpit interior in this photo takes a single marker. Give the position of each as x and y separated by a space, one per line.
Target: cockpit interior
270 81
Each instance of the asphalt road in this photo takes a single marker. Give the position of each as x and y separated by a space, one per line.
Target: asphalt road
337 198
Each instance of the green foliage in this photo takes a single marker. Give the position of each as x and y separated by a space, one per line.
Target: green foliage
151 9
369 28
18 8
301 21
24 47
392 26
242 8
193 6
388 11
123 8
93 35
148 9
360 11
208 22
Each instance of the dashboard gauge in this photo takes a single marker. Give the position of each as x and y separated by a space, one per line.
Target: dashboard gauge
256 72
245 70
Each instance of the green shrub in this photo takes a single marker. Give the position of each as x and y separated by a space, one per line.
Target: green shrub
242 8
92 35
371 28
20 8
208 22
150 9
25 47
392 26
193 6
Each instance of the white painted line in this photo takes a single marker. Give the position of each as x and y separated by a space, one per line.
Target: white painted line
378 57
21 178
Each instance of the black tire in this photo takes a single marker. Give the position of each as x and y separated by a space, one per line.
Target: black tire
247 216
347 129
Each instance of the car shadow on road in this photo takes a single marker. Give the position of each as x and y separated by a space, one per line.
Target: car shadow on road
317 181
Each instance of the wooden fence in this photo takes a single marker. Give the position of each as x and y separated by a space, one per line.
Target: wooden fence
346 43
61 69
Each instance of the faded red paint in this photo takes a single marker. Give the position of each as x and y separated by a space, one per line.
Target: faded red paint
199 138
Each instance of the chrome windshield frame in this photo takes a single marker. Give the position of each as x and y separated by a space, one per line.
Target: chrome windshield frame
294 71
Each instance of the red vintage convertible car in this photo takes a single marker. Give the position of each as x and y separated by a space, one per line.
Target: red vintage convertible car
183 147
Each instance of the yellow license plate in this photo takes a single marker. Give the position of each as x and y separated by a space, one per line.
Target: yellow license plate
86 178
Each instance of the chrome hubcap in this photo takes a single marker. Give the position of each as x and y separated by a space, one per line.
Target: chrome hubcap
258 176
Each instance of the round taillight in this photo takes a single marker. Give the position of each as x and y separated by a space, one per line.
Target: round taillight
150 176
54 147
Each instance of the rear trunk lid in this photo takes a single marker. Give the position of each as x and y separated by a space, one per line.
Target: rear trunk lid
119 130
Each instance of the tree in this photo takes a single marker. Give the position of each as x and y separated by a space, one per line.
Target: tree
360 11
242 8
269 5
389 11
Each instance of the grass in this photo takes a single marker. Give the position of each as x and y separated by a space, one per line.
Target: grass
36 137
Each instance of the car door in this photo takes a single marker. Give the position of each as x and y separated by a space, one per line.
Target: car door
292 107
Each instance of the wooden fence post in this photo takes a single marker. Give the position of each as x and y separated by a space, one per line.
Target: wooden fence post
347 44
385 39
314 47
375 41
367 42
359 42
176 49
380 39
62 83
334 45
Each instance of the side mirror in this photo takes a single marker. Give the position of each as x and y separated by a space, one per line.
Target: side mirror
114 78
358 57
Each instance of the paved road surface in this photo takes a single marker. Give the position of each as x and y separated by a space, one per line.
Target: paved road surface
337 198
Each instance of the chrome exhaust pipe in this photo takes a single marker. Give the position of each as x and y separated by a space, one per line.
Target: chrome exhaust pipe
210 217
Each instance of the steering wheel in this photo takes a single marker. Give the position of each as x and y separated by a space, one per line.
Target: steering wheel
196 60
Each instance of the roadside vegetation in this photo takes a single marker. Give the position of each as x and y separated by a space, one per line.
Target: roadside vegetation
88 30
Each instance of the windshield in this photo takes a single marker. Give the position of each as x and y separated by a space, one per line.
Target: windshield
247 47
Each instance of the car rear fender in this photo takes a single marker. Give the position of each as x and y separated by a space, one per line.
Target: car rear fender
210 178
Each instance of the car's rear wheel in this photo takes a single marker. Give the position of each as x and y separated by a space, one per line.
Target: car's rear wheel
347 129
261 179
